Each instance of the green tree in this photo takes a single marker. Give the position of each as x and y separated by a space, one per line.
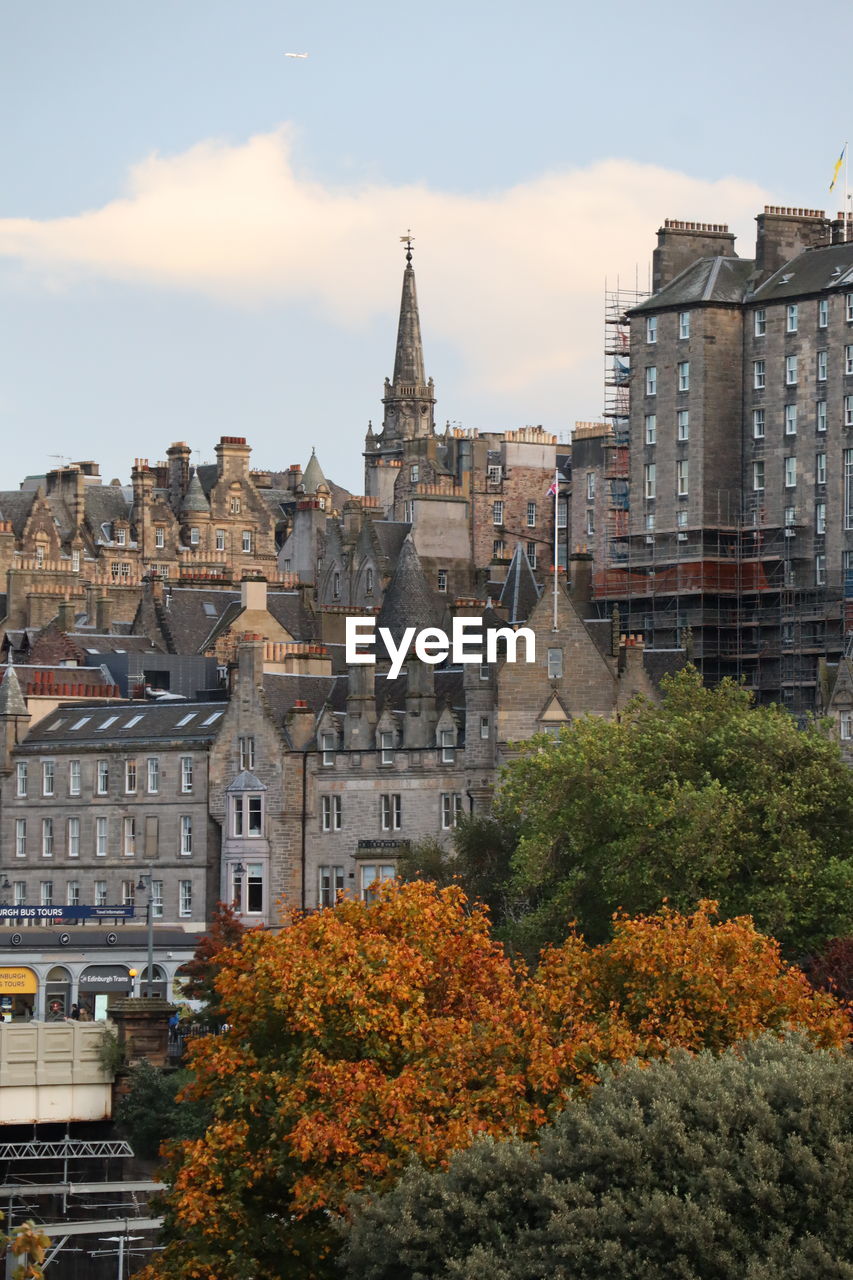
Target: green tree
701 796
700 1168
150 1113
198 976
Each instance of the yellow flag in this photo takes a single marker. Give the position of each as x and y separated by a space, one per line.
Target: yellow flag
838 165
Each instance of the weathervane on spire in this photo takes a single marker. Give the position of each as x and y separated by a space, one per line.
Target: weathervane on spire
407 241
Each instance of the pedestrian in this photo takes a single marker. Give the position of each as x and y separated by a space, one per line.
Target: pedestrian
75 1012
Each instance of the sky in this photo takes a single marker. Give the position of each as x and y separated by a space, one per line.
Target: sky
201 237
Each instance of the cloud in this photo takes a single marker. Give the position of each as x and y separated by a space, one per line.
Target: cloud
514 278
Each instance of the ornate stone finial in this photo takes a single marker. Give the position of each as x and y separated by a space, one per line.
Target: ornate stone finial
407 240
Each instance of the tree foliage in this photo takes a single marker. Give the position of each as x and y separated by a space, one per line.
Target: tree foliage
700 1168
150 1113
702 796
367 1035
198 976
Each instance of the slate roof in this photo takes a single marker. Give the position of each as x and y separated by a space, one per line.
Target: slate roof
520 591
11 699
16 506
390 535
104 504
663 662
282 689
246 781
409 600
91 643
194 499
449 688
705 280
814 271
113 724
313 476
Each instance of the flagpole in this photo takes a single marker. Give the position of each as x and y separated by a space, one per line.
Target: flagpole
556 536
844 215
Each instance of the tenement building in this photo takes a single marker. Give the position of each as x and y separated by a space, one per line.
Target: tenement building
739 452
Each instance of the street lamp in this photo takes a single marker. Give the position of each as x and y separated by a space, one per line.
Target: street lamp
145 882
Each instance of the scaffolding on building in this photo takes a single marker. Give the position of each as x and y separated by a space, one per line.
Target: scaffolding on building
617 414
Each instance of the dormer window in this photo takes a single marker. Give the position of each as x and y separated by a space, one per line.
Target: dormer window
327 746
386 748
447 742
121 536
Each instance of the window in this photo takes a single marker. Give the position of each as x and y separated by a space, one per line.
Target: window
220 539
73 833
681 519
649 480
247 541
847 725
72 893
408 512
820 415
790 517
848 411
485 728
497 513
562 513
820 468
156 899
555 664
331 884
159 538
234 505
103 778
651 328
681 477
485 671
386 747
650 522
590 486
498 549
130 776
153 775
121 537
21 778
531 546
823 313
651 428
758 424
20 837
451 809
822 361
391 813
448 746
101 837
368 582
128 893
848 359
684 324
47 837
373 876
758 375
651 380
331 813
684 375
494 473
336 585
791 312
100 893
47 777
758 476
820 517
790 419
848 308
848 488
790 473
414 473
129 837
19 889
790 371
531 515
327 745
74 777
759 327
248 816
820 570
46 893
247 753
186 834
682 420
193 536
442 579
186 774
185 899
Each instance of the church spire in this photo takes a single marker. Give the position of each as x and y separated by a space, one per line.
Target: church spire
409 398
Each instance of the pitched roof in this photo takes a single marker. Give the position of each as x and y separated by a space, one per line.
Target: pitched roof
718 280
16 505
409 600
115 723
813 271
521 590
313 475
11 699
194 499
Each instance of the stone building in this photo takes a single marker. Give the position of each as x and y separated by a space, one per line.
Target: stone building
741 376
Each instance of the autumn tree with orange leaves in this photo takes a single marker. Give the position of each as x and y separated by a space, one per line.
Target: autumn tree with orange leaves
369 1034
